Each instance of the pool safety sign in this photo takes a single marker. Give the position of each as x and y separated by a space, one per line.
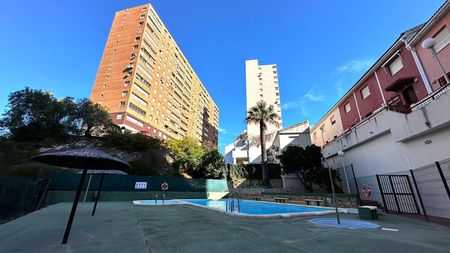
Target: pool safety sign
140 185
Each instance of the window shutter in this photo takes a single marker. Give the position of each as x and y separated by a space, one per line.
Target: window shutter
395 65
442 39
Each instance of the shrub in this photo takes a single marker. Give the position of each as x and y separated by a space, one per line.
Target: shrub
130 142
236 172
142 167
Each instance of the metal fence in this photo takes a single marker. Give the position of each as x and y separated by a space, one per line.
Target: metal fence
424 190
347 180
432 188
69 182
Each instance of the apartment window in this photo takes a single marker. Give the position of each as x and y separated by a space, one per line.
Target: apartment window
141 90
142 16
137 109
122 104
137 38
395 65
126 83
442 39
119 116
365 92
135 47
139 99
135 121
141 23
332 120
124 93
347 107
275 72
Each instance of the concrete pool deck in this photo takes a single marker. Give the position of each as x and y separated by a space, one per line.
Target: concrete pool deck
123 227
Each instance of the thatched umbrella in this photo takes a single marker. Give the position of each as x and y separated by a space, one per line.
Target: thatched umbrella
88 157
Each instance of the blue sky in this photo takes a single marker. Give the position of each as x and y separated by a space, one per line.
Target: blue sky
321 47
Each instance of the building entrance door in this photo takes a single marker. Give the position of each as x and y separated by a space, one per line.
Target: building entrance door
409 95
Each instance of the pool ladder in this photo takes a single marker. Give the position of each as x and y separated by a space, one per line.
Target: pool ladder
162 199
230 205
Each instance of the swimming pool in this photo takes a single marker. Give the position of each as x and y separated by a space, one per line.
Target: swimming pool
251 208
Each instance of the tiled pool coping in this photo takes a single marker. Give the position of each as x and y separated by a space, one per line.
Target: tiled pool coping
330 210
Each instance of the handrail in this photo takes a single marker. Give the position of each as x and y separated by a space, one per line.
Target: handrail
232 205
426 100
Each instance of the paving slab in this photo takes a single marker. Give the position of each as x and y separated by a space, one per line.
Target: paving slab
123 227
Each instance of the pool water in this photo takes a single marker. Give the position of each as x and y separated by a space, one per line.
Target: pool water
157 202
244 207
251 207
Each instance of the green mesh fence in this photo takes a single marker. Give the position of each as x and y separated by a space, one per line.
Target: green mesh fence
16 195
69 182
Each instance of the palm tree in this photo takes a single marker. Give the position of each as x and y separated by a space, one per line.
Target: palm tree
262 114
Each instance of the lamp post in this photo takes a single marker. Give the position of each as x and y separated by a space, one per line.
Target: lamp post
341 155
429 43
332 190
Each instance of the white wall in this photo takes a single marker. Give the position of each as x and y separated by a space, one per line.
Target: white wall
421 152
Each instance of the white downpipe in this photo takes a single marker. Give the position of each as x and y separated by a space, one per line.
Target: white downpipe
406 156
419 65
357 107
422 71
379 87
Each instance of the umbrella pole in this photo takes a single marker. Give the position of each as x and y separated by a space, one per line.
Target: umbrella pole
74 207
98 194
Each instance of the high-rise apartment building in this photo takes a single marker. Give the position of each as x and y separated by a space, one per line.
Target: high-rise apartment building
262 84
148 85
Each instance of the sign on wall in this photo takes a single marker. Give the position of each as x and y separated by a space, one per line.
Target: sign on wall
140 185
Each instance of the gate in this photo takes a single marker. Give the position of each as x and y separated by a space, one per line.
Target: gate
397 194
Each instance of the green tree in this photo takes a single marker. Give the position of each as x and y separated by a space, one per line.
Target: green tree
262 114
306 163
187 154
36 114
212 165
236 172
91 115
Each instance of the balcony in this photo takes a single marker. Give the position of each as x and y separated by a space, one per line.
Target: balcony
425 116
239 154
